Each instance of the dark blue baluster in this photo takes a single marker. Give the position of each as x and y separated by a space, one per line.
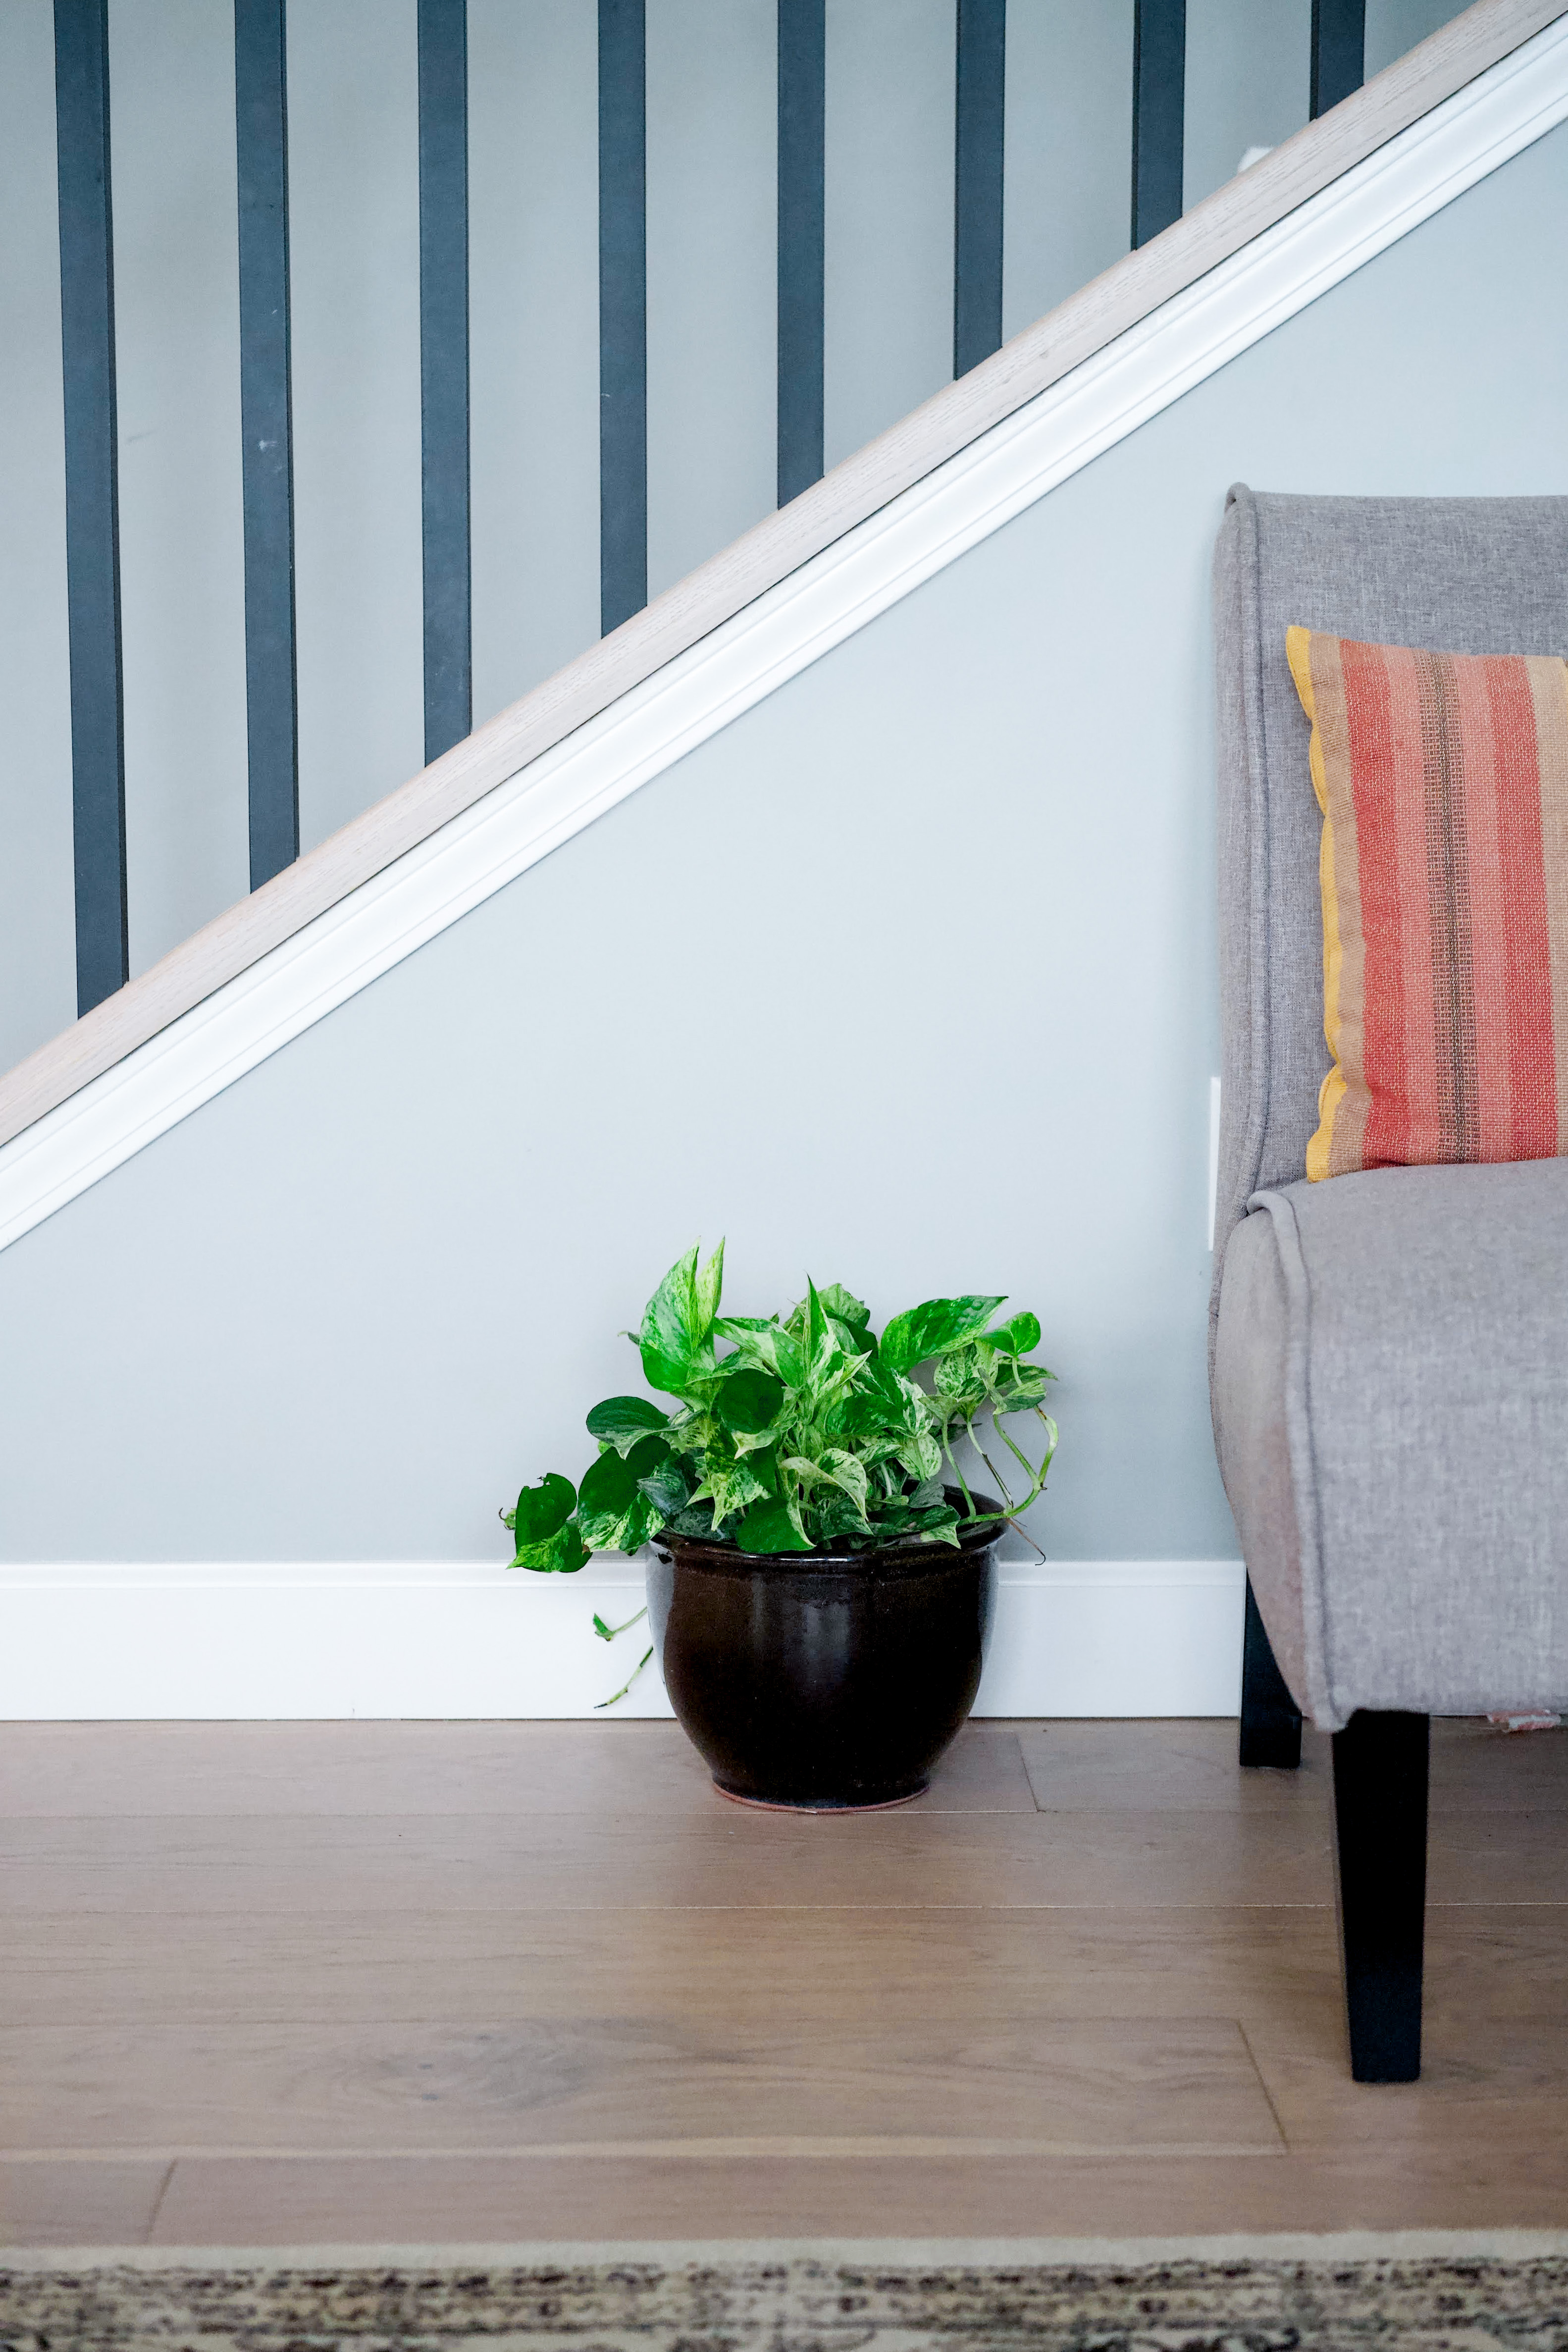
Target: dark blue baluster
623 313
92 497
802 37
979 119
1338 51
272 730
1159 101
444 371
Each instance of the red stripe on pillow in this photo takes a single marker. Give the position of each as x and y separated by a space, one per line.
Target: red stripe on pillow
1525 979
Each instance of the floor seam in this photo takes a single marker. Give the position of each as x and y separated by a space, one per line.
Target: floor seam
158 2200
1263 2086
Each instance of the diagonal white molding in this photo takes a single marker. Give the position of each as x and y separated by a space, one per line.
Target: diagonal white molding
860 576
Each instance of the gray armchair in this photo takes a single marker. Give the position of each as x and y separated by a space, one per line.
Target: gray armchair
1389 1351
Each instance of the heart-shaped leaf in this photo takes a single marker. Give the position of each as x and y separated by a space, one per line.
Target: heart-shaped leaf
541 1509
770 1527
678 1322
921 1332
846 1307
768 1346
621 1421
560 1554
1018 1336
749 1401
608 1487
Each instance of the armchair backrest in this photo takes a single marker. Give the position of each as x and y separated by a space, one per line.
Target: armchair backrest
1459 575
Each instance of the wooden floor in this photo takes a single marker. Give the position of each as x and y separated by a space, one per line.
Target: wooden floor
280 1983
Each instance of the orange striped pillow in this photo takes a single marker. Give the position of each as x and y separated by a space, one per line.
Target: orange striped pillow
1443 779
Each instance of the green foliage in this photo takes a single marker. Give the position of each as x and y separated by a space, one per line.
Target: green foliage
548 1536
806 1432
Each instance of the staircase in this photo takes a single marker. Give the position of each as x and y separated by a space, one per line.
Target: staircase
1171 253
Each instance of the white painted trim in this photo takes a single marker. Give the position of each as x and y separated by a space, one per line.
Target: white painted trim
465 1639
815 608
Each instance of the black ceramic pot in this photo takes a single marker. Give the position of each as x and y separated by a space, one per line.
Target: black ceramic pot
823 1680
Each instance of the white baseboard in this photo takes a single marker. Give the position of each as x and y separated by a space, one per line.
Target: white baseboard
465 1639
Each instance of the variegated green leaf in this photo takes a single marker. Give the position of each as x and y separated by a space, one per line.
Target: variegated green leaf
930 1331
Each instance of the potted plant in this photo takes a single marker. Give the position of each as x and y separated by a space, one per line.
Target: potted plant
824 1573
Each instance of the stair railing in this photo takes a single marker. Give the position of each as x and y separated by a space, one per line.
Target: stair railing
87 291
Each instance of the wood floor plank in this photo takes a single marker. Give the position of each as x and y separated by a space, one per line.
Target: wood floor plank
411 1768
1095 1766
104 2202
1477 1768
1498 1960
899 1967
1163 1765
300 2201
1498 2084
1494 1857
745 1968
733 1858
525 1768
621 2085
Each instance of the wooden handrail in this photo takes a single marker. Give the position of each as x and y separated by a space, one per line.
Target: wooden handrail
947 423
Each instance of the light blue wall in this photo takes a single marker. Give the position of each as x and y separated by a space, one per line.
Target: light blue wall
533 348
888 232
906 980
712 239
1069 143
353 241
182 560
1250 74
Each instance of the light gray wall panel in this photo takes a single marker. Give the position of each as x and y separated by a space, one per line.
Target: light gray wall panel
906 980
712 228
1069 150
533 352
37 937
889 213
1394 26
1249 80
353 170
182 558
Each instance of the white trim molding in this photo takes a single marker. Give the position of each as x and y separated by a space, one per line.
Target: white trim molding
871 567
314 1641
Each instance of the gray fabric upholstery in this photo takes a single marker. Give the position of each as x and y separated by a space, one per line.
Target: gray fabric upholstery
1461 575
1392 1378
1254 1431
1390 1409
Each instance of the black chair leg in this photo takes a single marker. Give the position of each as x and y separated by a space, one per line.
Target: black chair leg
1270 1719
1380 1823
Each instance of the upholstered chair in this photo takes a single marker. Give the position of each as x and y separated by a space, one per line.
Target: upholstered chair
1389 1349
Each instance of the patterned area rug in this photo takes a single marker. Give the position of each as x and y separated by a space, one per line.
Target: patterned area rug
796 2304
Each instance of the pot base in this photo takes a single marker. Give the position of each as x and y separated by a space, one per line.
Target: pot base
823 1682
826 1805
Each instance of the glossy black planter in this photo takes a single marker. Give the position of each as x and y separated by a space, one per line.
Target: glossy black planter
823 1680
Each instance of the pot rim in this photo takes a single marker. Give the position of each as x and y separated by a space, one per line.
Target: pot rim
918 1550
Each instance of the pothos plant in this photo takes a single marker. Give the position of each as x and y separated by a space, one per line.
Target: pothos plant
797 1431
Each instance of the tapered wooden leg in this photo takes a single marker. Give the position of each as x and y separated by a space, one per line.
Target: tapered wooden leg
1380 1823
1270 1719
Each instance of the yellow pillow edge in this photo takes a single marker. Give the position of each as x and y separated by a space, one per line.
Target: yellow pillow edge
1332 1093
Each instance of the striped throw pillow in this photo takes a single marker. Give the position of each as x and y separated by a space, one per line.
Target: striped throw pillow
1443 779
